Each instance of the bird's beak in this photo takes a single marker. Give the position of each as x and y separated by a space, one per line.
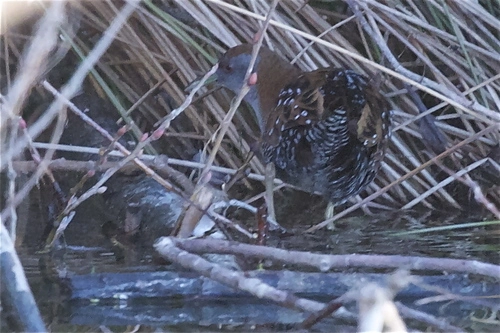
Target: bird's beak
210 80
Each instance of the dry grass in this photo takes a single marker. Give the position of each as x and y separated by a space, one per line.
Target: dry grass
448 51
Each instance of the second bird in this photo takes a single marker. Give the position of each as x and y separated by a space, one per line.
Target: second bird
325 131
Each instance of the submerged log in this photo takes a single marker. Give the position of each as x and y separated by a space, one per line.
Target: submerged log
315 285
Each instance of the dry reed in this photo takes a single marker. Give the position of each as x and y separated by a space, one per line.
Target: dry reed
448 52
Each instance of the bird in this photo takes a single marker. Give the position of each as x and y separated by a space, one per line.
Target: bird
325 131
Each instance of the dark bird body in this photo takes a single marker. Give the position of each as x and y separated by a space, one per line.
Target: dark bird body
325 130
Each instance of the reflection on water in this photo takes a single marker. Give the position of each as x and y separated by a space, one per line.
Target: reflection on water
375 235
88 252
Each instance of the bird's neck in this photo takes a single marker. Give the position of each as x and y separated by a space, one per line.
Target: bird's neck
252 99
273 73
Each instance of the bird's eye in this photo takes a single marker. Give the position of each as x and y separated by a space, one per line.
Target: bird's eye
228 68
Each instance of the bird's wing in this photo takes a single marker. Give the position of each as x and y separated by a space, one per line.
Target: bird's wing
374 119
346 98
300 103
354 100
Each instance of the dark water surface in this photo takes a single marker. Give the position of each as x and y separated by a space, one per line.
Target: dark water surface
89 253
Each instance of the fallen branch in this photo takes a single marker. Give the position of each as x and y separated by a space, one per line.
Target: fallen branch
168 250
325 262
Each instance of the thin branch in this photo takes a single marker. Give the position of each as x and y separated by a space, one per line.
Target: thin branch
235 103
325 262
431 320
34 61
17 293
168 249
74 84
413 79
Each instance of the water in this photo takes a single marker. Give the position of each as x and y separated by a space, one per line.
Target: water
89 253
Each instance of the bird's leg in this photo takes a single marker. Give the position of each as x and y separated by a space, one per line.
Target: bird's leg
329 211
269 196
240 173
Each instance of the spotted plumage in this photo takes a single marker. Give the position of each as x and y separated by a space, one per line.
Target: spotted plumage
325 130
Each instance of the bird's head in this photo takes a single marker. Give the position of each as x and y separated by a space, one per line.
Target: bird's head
233 66
273 72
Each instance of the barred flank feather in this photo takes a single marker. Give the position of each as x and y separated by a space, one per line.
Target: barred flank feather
333 128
